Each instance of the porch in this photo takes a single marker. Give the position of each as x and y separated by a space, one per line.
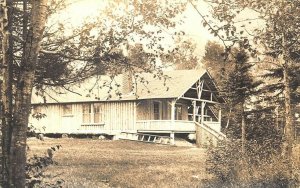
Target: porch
175 126
165 126
206 133
176 115
147 126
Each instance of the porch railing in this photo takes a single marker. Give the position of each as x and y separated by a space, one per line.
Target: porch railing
213 125
165 125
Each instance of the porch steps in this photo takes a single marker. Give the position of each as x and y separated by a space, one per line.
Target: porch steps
208 136
148 138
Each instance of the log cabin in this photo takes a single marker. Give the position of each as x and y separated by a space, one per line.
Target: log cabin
174 104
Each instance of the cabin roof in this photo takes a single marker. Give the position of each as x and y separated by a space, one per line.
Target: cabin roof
97 88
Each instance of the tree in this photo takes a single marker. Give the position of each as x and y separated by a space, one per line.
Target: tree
182 56
238 89
14 123
31 49
214 61
277 39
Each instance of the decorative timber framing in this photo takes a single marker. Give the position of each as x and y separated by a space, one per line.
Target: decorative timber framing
203 91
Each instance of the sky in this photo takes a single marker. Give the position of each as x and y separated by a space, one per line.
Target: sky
192 25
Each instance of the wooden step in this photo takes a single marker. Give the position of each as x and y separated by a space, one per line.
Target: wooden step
141 137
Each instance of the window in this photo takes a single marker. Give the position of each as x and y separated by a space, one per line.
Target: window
178 112
36 109
86 113
157 110
91 113
97 115
67 110
37 112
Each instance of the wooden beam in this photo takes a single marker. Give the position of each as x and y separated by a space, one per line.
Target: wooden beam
202 111
173 110
210 90
200 100
213 112
200 115
200 88
172 136
135 105
194 110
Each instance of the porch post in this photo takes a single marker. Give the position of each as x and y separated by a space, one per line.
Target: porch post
134 116
173 111
194 111
202 112
199 130
172 135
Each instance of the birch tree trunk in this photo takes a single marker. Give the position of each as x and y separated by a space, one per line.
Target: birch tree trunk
14 137
6 89
4 43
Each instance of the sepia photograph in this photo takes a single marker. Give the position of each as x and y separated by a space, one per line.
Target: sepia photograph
150 93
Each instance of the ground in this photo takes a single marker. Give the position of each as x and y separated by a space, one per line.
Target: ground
105 163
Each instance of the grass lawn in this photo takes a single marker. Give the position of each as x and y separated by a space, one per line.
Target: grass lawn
97 163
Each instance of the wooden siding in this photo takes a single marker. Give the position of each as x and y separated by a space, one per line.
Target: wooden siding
145 109
115 117
184 111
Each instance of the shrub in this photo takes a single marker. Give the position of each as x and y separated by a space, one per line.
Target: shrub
258 167
35 169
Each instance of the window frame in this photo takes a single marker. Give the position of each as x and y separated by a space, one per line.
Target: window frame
92 112
65 113
86 113
95 112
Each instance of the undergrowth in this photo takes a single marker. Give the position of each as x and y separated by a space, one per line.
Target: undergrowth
261 166
36 167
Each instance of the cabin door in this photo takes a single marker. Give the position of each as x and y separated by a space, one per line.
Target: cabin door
67 123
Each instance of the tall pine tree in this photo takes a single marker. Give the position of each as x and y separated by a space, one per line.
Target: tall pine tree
238 90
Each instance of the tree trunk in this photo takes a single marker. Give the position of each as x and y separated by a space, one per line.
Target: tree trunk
23 94
288 129
228 119
243 131
6 91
